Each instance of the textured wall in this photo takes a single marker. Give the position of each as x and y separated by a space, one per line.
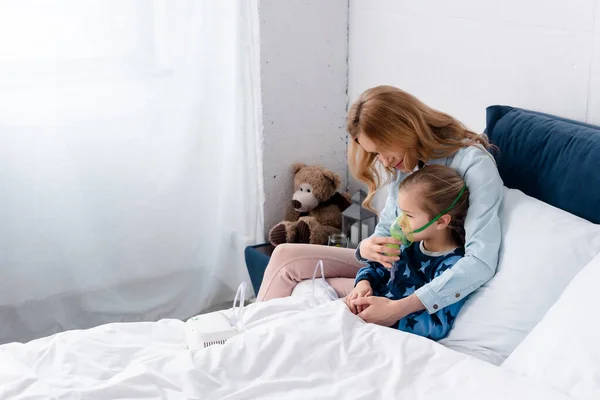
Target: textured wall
304 76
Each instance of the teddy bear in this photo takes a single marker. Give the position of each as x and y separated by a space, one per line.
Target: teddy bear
315 211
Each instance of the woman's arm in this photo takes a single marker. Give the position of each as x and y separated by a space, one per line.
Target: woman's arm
386 219
483 235
385 312
390 210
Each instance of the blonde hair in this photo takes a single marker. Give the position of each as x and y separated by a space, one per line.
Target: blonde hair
440 186
391 117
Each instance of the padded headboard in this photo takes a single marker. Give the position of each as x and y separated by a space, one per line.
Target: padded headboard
552 159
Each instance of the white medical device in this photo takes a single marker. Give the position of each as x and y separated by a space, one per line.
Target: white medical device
206 330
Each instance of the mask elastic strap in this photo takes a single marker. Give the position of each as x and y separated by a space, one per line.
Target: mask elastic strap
437 217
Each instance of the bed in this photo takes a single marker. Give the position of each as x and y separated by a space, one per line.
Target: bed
527 334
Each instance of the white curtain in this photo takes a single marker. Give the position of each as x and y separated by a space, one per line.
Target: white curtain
130 165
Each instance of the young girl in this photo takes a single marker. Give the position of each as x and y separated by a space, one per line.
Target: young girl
434 203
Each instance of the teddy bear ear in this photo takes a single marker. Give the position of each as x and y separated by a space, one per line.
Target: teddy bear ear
297 167
332 176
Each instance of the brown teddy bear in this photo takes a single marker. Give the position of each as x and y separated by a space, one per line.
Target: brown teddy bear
316 208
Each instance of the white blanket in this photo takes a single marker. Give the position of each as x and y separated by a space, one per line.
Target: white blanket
290 351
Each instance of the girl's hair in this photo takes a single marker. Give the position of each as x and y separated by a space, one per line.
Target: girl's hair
393 118
439 187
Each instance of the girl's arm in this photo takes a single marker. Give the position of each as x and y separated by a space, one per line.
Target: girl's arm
376 274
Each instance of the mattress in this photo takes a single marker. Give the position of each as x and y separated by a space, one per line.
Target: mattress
299 347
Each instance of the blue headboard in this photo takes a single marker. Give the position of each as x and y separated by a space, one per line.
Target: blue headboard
552 159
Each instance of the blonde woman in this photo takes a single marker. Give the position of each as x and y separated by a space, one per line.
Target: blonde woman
391 128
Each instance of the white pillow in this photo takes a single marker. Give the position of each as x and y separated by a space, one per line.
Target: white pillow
543 248
563 350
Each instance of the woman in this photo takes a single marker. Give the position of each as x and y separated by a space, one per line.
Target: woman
391 128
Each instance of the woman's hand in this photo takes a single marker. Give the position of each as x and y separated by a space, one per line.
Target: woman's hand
362 289
385 312
375 249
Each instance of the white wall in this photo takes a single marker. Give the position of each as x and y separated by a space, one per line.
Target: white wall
594 88
461 56
304 77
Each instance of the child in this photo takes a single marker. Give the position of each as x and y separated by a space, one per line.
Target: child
434 202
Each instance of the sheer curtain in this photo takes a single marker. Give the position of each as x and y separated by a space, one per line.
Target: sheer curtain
130 165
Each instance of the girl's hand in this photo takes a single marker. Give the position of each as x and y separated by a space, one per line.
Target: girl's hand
385 312
362 289
378 310
375 249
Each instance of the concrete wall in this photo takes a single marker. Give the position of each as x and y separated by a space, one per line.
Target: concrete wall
304 47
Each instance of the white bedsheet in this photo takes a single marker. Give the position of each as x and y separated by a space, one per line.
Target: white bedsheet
290 350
